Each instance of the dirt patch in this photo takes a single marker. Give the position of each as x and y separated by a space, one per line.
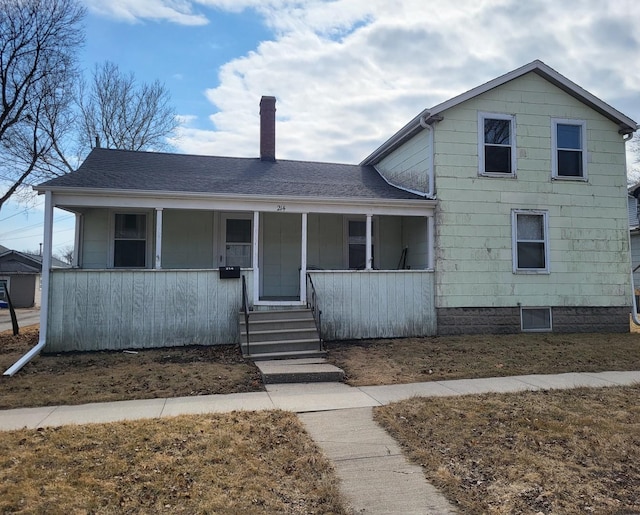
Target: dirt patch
572 451
409 360
77 378
260 462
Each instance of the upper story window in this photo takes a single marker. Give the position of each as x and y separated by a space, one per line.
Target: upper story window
568 149
496 144
130 240
530 241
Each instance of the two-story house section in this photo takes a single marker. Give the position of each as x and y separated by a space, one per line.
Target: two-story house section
531 221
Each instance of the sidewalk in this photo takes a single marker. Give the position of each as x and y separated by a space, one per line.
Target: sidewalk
375 476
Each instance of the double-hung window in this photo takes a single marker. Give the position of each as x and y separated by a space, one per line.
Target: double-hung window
530 241
568 151
496 144
130 240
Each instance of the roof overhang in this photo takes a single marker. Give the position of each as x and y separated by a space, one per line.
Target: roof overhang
70 198
625 124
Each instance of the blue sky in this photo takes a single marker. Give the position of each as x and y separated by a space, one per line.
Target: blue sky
347 73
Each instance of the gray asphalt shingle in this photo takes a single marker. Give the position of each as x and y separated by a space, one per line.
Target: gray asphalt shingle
152 171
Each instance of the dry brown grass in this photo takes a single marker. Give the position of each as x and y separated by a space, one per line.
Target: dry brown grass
229 463
77 378
411 360
572 451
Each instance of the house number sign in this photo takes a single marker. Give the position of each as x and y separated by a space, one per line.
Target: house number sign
281 208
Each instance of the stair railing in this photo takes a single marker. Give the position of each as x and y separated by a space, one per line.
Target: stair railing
312 303
245 309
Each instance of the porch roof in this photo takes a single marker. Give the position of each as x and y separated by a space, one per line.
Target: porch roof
162 172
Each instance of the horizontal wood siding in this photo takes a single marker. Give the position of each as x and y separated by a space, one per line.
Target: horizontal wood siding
408 166
588 220
108 309
375 304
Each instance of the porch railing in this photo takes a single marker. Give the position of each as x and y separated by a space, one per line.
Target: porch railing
245 310
312 303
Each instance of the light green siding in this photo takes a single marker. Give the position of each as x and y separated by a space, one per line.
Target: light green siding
325 241
95 240
187 239
408 165
588 240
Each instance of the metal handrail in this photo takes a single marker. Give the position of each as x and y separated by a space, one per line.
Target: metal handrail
245 309
313 305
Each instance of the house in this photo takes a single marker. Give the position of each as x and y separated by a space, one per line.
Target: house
634 233
20 272
500 210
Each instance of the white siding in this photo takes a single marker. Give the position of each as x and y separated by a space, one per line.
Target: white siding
109 309
408 165
588 221
375 304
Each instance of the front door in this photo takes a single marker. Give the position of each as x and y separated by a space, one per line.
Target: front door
281 256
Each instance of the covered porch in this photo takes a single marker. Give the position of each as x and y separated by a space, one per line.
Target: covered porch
147 272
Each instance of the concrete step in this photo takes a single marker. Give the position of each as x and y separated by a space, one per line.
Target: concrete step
299 371
285 323
279 334
300 354
260 347
278 314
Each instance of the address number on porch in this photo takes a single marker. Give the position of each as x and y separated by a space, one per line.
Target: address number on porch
281 208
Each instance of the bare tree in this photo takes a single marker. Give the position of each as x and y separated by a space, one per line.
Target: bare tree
124 114
38 46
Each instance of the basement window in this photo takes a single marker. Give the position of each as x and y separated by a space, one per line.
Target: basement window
535 319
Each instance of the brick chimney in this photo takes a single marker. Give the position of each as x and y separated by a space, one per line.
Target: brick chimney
268 128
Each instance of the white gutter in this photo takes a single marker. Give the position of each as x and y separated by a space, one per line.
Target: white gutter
44 303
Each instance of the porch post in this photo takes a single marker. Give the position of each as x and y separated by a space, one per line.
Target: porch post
77 241
46 263
431 238
303 260
254 258
158 265
369 259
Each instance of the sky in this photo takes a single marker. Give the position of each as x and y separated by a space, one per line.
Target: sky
347 74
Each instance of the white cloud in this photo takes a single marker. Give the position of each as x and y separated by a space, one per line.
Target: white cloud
348 73
132 11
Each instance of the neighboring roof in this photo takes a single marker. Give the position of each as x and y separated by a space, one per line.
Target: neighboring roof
23 262
626 124
182 173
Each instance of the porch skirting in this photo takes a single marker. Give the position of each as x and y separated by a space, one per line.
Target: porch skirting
506 320
137 309
359 304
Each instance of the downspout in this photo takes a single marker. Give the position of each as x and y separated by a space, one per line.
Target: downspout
44 304
425 125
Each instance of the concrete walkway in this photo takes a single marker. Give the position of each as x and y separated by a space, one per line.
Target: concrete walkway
375 476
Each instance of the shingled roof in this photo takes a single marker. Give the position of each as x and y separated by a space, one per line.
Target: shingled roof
181 173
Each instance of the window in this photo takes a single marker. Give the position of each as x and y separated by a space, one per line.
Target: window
130 241
238 247
496 144
569 156
357 244
535 319
530 241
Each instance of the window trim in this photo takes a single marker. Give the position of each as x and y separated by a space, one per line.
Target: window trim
222 234
541 330
149 224
554 148
514 240
482 116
